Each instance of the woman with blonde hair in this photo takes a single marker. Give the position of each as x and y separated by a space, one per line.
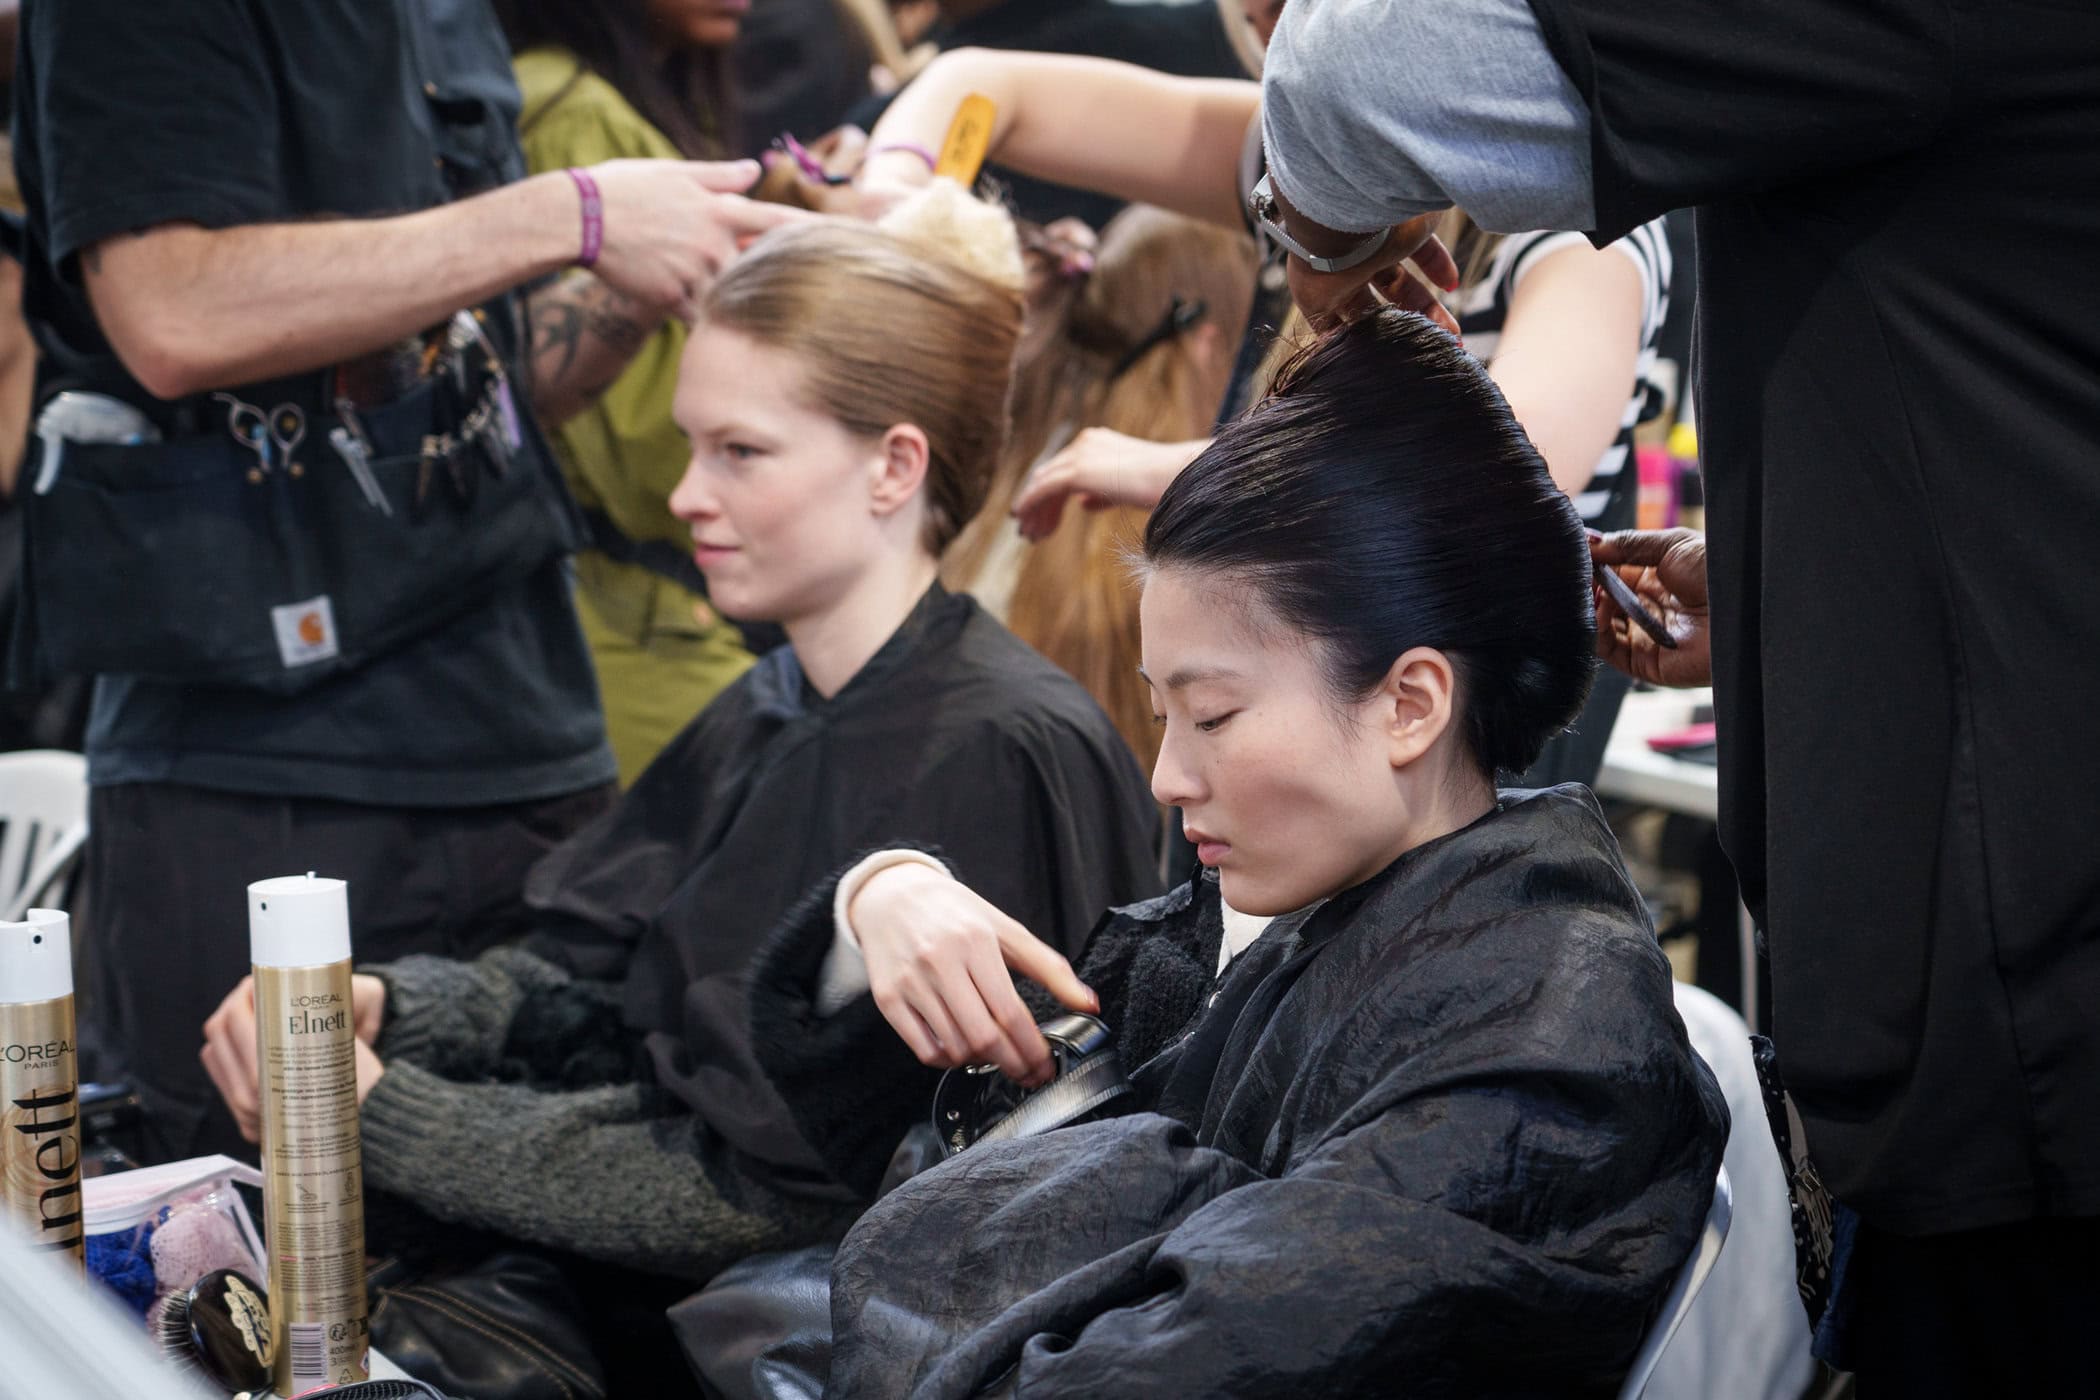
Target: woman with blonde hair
596 1091
1144 349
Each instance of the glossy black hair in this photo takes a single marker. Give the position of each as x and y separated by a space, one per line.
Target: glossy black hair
1383 498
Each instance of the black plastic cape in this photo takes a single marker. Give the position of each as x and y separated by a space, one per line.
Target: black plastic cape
954 735
1444 1137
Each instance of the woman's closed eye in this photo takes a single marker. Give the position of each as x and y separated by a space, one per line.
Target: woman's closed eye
1206 726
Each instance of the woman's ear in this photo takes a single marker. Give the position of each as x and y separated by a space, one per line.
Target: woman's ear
899 469
1416 703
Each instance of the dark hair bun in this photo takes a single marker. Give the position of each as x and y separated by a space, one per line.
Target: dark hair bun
1382 498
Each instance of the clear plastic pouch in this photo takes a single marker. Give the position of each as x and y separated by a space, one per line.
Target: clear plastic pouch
155 1231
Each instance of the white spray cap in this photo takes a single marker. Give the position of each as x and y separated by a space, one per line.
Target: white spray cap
298 921
36 958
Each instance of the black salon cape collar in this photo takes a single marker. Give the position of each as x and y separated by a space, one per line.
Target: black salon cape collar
1447 1138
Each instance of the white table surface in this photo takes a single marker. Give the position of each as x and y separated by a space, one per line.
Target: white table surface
1633 772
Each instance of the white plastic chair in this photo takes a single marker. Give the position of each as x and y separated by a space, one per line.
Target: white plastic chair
43 803
1690 1279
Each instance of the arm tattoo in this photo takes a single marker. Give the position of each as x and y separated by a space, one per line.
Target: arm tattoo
577 308
557 330
610 316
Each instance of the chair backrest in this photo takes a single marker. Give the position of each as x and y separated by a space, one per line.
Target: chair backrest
1689 1280
43 823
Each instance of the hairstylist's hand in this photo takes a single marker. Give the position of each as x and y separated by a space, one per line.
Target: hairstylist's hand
229 1048
1330 297
937 956
837 152
888 176
1667 570
1102 468
672 225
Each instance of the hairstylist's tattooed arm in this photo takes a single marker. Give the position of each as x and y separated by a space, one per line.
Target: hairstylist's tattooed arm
583 335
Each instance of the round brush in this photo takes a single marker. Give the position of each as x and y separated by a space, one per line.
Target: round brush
220 1326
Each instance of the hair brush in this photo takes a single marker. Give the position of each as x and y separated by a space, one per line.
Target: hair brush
220 1326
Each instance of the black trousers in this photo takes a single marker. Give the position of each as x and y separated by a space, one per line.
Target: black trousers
2004 1311
168 869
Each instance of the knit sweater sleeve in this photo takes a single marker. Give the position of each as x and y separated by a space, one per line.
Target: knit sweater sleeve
587 1171
451 1016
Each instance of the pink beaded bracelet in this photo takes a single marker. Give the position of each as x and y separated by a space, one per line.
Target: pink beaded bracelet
593 217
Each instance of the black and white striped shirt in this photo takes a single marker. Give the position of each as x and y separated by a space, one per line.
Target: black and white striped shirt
1607 503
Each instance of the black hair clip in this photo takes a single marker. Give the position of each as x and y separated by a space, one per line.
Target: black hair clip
806 161
1180 316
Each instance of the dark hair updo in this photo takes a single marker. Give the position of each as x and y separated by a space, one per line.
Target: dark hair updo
1382 498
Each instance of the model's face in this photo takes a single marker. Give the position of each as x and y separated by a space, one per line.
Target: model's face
698 24
777 493
1288 796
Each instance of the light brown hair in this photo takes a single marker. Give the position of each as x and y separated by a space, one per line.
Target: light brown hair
912 322
1075 600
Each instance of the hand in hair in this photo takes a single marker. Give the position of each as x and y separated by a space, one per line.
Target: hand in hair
1330 297
937 956
838 152
1667 569
671 226
1102 468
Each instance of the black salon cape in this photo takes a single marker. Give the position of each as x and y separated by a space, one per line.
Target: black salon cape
955 736
1446 1138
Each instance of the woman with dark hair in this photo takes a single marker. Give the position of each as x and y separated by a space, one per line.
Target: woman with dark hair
602 80
1428 1122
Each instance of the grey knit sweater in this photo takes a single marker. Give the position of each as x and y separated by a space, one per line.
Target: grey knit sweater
588 1171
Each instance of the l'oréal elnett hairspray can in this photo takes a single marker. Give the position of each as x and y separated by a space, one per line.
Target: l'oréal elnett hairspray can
40 1083
313 1181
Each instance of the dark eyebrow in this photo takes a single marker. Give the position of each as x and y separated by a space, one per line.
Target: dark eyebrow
1190 675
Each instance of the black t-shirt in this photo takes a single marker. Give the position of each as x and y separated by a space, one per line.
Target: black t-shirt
1188 40
1899 391
131 113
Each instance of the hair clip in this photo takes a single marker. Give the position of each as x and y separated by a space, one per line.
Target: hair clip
1180 316
1073 262
806 161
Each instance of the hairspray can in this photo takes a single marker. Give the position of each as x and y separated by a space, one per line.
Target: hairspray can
313 1192
40 1084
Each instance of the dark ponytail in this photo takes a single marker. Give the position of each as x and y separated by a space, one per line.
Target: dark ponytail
1382 498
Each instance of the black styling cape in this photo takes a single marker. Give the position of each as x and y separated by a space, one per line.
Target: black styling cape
955 736
1443 1137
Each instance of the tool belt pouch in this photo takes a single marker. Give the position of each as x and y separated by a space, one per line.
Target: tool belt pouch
180 561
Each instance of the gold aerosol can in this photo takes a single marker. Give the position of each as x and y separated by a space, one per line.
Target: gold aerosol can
313 1178
40 1084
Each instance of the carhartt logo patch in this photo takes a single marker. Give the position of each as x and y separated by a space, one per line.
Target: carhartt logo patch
305 631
